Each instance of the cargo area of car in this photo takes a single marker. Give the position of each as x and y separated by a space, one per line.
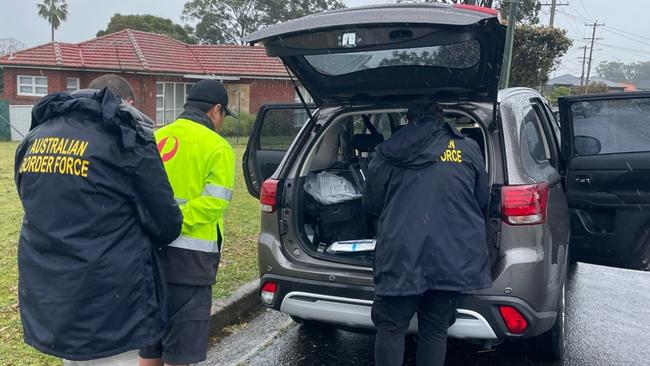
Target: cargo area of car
327 200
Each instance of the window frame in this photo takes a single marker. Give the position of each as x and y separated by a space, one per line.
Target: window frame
542 132
67 85
32 85
176 109
550 130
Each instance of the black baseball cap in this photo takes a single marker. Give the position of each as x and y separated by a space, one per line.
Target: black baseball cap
212 92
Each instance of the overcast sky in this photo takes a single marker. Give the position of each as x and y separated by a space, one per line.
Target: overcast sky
626 34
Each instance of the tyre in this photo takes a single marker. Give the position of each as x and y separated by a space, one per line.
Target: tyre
551 345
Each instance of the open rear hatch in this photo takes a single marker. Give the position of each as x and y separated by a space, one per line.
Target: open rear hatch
392 53
372 56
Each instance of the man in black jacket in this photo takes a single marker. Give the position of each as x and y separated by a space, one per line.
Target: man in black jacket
96 199
429 187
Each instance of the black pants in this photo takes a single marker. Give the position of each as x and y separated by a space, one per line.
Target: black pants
185 339
392 314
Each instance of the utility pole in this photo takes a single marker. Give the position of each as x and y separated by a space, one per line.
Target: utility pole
553 4
584 60
510 38
591 50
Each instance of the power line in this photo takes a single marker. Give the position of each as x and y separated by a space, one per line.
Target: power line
626 36
629 33
586 11
553 5
629 51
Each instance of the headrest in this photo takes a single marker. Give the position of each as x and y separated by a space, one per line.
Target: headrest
366 142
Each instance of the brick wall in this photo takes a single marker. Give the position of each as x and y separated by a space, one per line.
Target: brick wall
270 91
144 86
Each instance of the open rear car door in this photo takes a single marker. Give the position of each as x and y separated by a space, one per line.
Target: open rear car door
606 151
276 126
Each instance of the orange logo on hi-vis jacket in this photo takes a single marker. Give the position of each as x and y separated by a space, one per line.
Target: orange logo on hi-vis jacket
169 154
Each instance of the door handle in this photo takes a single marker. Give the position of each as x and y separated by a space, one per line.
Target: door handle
583 179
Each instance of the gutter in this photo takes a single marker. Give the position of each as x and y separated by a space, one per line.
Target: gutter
135 72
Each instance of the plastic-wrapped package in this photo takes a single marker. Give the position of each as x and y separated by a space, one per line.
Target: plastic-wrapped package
352 246
328 188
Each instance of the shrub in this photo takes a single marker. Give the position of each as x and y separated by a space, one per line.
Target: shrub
242 126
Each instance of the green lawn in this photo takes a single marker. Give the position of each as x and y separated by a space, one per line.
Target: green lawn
239 263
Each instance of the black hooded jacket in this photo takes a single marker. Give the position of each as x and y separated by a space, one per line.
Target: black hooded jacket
428 186
95 196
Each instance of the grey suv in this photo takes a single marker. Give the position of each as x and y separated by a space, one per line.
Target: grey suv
363 67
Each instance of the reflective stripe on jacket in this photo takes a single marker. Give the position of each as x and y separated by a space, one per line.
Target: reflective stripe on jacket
200 165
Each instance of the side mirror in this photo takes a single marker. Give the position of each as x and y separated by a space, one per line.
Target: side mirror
586 145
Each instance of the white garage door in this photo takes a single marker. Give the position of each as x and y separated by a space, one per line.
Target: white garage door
20 117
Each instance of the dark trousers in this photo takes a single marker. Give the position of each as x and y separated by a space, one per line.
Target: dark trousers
392 314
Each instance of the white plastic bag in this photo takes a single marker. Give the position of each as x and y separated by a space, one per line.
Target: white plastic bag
329 188
352 246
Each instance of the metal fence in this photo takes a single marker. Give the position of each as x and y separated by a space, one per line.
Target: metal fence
5 125
21 118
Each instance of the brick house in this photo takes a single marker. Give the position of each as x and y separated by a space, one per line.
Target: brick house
160 69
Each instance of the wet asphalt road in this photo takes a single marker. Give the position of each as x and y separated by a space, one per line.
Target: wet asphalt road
608 324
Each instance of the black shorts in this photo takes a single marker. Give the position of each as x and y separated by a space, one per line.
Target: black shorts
185 339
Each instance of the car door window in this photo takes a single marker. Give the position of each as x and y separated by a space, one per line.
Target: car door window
280 128
275 129
533 137
534 146
549 130
615 126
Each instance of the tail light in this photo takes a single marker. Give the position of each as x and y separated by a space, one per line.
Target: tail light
524 204
268 292
268 194
515 321
477 8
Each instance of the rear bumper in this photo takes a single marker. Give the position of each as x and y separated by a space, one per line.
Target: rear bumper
349 306
354 313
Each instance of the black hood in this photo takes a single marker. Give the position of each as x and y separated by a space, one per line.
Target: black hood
103 104
99 106
408 146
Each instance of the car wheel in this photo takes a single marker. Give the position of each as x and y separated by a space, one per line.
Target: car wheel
551 345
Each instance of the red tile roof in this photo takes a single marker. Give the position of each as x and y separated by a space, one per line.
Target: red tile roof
137 51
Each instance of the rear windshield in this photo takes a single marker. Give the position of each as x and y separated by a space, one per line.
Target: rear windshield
456 56
619 126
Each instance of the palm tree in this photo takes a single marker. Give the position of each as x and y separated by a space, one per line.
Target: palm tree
54 11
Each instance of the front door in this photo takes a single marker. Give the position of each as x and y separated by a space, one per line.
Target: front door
606 150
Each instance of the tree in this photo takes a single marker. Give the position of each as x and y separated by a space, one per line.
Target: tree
283 10
149 23
527 11
616 71
54 11
622 72
594 87
227 21
536 52
483 3
7 47
560 91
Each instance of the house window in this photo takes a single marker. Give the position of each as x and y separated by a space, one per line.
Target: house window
170 99
33 86
72 84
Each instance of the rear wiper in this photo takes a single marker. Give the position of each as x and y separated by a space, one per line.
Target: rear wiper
302 99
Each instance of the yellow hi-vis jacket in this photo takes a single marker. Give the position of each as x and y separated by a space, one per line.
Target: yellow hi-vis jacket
200 165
